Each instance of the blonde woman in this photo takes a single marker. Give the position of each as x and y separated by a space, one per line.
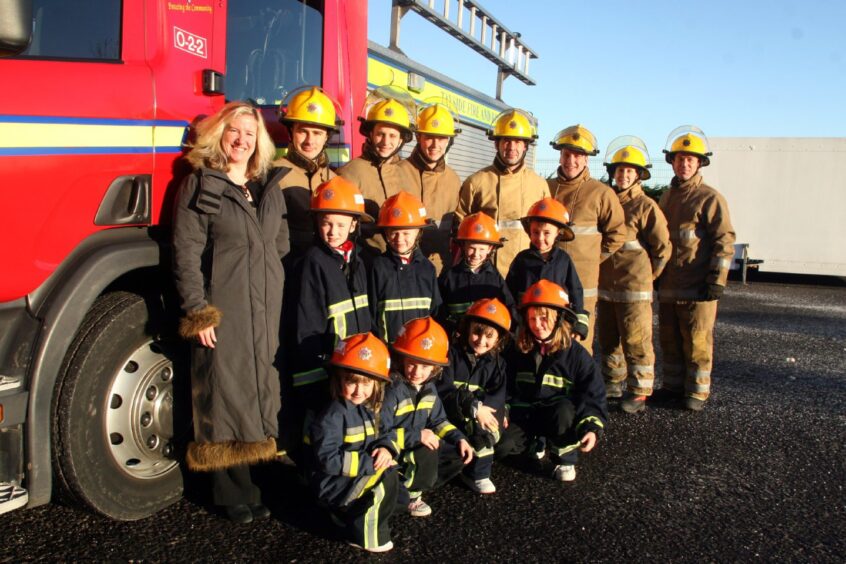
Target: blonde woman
229 235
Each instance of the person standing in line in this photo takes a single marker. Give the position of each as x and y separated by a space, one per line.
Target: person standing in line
624 313
695 278
597 219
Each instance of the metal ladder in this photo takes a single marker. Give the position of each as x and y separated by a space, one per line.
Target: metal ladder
484 34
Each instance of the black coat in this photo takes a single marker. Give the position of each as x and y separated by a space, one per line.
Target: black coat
528 268
227 262
460 287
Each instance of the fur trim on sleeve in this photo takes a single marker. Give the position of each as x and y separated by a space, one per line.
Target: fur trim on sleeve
197 320
209 457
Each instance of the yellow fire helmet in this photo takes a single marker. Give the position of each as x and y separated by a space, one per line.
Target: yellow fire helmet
309 105
577 138
688 139
628 150
514 124
437 119
390 105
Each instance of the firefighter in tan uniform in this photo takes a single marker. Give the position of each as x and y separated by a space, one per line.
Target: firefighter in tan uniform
377 173
596 216
693 281
506 189
437 183
624 311
310 117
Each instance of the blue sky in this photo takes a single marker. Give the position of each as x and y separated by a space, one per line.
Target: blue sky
734 68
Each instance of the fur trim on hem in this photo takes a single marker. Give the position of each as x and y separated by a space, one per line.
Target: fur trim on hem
209 457
197 320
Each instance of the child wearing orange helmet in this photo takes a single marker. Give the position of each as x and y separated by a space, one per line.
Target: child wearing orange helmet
474 277
332 302
432 450
402 283
556 390
473 385
546 223
354 465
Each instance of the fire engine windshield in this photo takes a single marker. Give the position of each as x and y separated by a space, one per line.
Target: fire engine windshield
272 47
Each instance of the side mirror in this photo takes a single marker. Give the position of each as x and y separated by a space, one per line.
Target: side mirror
15 26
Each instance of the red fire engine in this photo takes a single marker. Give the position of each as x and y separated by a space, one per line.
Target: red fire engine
93 115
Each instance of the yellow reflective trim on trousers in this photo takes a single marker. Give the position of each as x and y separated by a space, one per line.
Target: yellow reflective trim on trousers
410 469
310 377
721 263
591 419
561 451
641 369
350 466
485 452
371 518
400 439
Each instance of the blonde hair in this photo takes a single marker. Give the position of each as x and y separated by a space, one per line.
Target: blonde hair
561 337
207 150
342 376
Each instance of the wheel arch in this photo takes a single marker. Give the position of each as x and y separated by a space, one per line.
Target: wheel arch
109 259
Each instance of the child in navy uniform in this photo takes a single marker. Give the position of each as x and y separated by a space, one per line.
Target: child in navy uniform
475 277
332 300
433 450
354 466
403 283
473 385
556 390
547 222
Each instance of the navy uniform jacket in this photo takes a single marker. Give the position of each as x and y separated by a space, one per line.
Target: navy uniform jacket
528 267
570 373
332 306
401 292
406 412
485 377
460 287
343 437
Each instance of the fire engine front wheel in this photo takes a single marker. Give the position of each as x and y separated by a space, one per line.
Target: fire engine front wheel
114 419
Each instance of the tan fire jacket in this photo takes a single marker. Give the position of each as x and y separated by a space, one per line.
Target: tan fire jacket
627 275
703 240
505 196
439 188
598 221
302 179
377 180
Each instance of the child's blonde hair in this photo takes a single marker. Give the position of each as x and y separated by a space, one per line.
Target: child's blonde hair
207 150
561 337
469 325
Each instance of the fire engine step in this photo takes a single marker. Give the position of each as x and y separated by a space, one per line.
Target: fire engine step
12 497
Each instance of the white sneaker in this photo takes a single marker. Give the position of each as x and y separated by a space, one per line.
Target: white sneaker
419 508
564 473
483 486
12 497
381 548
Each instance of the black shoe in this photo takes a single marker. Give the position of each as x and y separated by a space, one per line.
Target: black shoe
259 511
239 514
613 389
633 403
694 404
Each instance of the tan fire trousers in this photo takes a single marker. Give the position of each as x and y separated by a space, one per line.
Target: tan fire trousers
687 342
625 337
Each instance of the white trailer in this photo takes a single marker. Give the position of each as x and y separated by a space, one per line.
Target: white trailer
787 198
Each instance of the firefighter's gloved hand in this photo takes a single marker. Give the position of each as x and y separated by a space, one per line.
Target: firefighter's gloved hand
465 398
714 292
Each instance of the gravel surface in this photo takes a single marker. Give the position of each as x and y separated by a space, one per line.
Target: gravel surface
758 475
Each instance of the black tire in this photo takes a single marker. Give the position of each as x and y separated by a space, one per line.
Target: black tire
114 449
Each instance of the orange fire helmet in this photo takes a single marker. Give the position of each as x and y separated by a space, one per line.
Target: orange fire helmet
552 211
339 196
544 293
403 211
364 354
479 227
424 340
491 311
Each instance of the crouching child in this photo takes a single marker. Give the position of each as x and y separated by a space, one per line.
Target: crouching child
355 472
432 450
473 386
556 390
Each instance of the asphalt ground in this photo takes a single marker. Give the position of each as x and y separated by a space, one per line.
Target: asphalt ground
758 475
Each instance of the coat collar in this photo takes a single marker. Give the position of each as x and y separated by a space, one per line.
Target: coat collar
420 163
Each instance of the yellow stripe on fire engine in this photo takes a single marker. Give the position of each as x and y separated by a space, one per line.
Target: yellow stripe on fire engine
15 135
380 73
